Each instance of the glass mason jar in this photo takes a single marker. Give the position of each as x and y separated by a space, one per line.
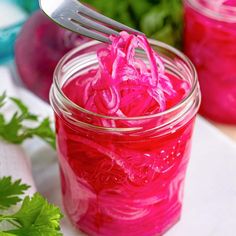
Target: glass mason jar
123 176
210 42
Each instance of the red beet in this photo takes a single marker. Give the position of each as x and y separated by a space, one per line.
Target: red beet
40 45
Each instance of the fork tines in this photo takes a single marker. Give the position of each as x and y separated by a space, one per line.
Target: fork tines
90 20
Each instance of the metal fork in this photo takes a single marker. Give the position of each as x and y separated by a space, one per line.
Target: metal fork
73 15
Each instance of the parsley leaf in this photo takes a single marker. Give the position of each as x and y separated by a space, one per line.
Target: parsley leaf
10 191
164 21
2 99
160 19
6 234
44 132
16 131
35 217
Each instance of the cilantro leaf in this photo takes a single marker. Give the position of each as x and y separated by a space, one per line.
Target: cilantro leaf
10 192
116 11
6 234
2 99
44 132
25 114
16 131
36 217
160 19
164 22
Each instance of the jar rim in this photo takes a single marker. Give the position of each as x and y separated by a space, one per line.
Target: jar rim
226 14
185 101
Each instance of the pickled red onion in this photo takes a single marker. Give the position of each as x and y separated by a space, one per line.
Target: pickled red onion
122 78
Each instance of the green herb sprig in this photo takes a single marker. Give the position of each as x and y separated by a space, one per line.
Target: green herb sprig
35 217
16 131
159 19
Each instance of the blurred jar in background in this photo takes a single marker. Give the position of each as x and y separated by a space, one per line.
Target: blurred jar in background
210 42
39 46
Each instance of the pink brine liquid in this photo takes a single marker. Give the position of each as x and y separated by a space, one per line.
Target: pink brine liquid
209 41
124 183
